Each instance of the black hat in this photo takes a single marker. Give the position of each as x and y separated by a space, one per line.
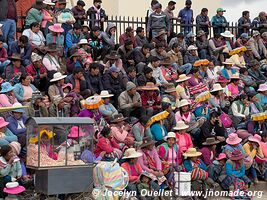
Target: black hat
147 70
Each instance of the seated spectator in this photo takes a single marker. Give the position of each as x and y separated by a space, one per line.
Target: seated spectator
34 14
6 135
157 73
171 96
242 41
255 72
107 109
141 132
157 128
190 39
233 142
24 90
228 69
262 95
106 146
179 39
249 82
23 48
79 12
130 76
55 89
182 87
37 106
146 76
169 121
183 139
233 86
257 46
213 72
128 35
95 42
93 79
130 103
191 55
140 37
237 57
7 96
55 36
150 99
14 70
176 55
218 99
3 57
126 53
36 37
168 69
160 39
48 17
209 150
141 56
255 106
114 59
203 45
228 41
74 62
74 36
38 72
108 37
159 51
78 81
85 57
249 57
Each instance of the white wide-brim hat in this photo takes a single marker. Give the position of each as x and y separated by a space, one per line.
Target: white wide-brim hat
227 34
131 153
58 76
105 94
180 125
216 87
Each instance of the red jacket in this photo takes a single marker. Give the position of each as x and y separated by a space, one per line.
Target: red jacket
3 55
30 70
148 102
127 167
106 145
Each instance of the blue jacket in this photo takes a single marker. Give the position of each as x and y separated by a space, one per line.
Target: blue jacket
72 38
230 169
156 131
14 48
225 73
13 125
59 40
188 165
19 91
9 137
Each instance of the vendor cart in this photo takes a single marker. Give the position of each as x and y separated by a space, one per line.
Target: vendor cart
57 165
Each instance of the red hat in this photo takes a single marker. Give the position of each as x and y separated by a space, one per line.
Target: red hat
222 79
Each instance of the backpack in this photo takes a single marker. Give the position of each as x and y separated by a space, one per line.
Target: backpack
226 120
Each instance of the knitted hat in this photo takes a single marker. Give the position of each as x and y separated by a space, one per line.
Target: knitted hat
130 85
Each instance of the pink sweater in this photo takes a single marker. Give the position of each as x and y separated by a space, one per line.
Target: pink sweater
4 101
47 18
143 160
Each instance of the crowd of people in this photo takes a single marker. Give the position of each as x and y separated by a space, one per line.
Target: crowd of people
162 101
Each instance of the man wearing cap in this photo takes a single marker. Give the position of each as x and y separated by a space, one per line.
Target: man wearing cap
244 23
219 22
130 103
203 21
97 15
128 35
158 21
260 23
186 18
257 46
191 55
190 39
79 12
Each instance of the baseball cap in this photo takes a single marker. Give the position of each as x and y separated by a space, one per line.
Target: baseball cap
113 68
221 10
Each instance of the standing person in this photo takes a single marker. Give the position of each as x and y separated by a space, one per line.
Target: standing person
219 22
55 35
8 17
97 15
203 21
158 21
186 17
169 12
48 14
34 14
79 12
244 23
260 22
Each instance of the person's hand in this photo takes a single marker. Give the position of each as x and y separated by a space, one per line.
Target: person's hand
221 138
158 106
137 104
41 104
127 127
224 24
113 32
201 121
82 78
102 154
11 160
131 62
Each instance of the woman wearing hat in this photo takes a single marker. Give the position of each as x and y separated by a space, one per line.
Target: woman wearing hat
83 51
114 59
224 82
7 96
48 14
157 127
6 135
55 36
36 37
57 86
235 169
209 150
233 143
24 90
184 140
228 69
172 96
237 57
14 69
233 87
218 98
34 14
74 62
150 99
254 150
106 146
262 95
107 109
182 87
249 83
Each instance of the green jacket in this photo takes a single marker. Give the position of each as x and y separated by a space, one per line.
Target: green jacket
33 15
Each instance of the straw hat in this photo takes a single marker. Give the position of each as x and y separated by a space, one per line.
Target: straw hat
83 41
200 33
235 76
16 147
131 153
262 87
233 139
35 57
49 2
147 141
216 87
15 57
192 152
49 134
13 188
105 94
118 118
57 76
180 125
256 138
56 28
228 62
255 33
183 102
227 34
170 88
170 135
160 116
182 78
210 141
221 156
150 86
191 47
93 102
236 155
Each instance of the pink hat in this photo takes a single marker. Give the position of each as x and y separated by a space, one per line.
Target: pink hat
256 138
262 88
221 156
56 28
3 123
233 139
67 85
13 188
74 132
16 146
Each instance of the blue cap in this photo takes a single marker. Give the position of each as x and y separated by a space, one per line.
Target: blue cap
244 35
113 68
